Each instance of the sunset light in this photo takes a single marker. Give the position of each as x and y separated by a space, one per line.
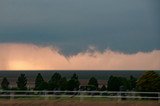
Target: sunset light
79 52
20 65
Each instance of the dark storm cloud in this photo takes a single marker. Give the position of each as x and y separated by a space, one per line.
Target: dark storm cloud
73 25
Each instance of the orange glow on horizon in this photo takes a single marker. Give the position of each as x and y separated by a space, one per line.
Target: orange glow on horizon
20 65
33 57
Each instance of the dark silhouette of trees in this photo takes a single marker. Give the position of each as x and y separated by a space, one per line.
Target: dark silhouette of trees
113 84
43 86
73 83
93 83
63 84
149 82
132 82
116 83
54 82
125 83
5 84
38 82
22 82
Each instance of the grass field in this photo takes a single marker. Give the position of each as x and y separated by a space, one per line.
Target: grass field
77 102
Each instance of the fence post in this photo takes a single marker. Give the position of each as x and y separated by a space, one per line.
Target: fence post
46 95
101 93
119 96
133 95
158 97
81 96
11 95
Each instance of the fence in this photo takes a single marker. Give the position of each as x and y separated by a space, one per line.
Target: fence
119 95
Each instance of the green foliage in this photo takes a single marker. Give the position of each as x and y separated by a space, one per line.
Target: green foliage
114 84
125 83
43 86
22 82
54 82
93 82
38 82
73 83
132 82
5 84
63 84
149 82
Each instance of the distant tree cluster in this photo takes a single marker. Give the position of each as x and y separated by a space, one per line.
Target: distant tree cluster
93 83
148 82
121 83
57 82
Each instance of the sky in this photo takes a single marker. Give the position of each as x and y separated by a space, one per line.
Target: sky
80 34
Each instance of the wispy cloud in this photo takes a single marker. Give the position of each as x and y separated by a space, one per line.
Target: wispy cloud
32 57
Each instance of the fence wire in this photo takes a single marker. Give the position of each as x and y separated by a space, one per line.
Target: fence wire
120 95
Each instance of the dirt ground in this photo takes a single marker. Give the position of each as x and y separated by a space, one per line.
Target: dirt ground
75 103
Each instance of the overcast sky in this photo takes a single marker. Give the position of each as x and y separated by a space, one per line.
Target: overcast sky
79 34
74 25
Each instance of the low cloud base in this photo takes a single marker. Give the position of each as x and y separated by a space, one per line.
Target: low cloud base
32 57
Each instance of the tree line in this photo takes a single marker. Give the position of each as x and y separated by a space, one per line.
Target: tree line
148 82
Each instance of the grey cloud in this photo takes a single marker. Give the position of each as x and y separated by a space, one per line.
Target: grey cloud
73 25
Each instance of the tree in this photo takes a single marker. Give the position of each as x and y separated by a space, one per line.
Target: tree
125 83
132 82
43 86
73 83
22 82
148 82
5 84
63 84
114 84
117 83
93 82
54 82
39 80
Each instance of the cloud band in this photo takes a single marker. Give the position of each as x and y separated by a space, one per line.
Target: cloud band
32 57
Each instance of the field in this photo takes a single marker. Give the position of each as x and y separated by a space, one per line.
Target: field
77 102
